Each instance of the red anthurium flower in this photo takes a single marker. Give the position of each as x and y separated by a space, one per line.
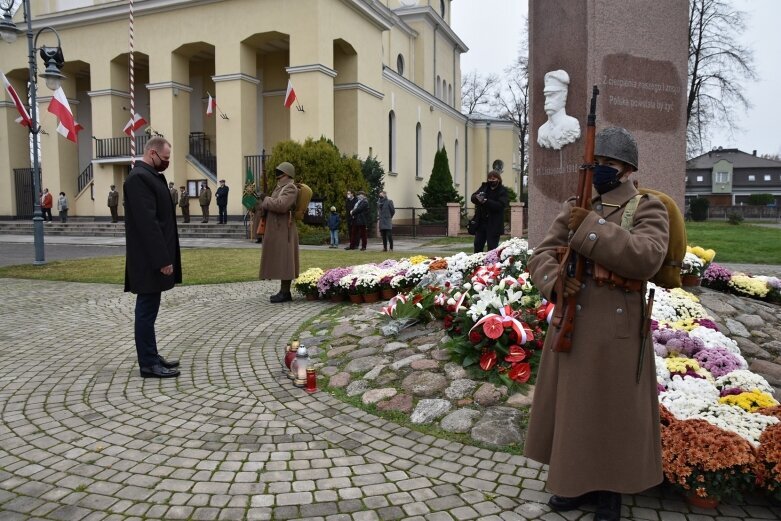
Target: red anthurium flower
417 298
448 321
475 337
488 360
520 373
516 354
493 328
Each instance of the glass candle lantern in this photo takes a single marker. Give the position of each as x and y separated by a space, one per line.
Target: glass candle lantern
311 380
301 362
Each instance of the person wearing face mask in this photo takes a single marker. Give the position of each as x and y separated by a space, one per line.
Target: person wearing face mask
385 212
153 261
349 204
279 257
595 413
490 200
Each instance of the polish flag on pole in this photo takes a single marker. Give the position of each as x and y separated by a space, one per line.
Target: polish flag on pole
290 95
211 104
24 118
134 123
60 107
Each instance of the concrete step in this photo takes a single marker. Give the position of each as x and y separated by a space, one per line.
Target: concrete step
98 229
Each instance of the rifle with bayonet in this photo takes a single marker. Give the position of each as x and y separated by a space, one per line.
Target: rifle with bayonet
649 309
574 265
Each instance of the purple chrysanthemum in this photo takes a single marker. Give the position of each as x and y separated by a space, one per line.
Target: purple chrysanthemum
718 360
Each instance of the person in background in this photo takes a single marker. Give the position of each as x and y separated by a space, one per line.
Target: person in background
386 211
174 193
184 203
595 415
349 205
62 207
490 201
279 257
113 203
205 199
222 202
46 205
333 226
153 262
360 213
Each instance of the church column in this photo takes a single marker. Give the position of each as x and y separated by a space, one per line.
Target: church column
15 140
237 96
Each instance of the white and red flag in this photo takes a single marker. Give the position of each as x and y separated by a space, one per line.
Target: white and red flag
134 123
211 105
24 117
290 95
59 106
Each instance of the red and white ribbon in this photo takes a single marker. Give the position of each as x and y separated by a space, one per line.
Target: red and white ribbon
508 320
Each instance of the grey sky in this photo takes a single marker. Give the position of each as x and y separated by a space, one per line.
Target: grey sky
492 31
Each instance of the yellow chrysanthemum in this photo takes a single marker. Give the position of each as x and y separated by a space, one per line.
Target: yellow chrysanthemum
417 259
682 293
750 401
749 285
679 364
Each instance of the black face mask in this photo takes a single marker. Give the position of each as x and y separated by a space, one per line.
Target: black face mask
493 184
606 178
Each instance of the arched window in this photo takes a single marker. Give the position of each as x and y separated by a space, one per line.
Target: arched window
450 94
400 64
440 141
437 86
444 90
456 162
442 7
391 142
418 150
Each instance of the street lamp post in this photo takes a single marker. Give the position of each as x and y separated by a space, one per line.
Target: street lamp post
53 58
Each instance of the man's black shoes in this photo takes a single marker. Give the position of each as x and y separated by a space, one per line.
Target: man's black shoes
168 364
280 297
158 371
562 504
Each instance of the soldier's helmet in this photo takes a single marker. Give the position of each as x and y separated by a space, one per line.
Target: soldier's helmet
616 143
286 169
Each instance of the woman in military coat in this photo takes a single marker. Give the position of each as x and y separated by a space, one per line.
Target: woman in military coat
592 421
279 257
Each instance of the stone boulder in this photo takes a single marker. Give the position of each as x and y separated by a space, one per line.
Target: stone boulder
429 410
461 388
460 420
454 371
424 383
339 380
400 403
377 395
499 426
489 394
361 365
357 387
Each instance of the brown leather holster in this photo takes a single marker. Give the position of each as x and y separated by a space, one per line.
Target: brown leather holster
603 276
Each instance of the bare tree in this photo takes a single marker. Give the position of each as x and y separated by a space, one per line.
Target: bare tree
511 102
718 65
476 91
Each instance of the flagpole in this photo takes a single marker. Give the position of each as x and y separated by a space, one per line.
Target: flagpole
40 257
132 87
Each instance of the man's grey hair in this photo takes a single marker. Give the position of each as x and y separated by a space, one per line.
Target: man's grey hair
156 143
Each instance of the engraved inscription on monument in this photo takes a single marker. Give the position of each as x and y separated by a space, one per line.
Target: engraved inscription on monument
640 93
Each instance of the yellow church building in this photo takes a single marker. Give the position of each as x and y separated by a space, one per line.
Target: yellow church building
378 77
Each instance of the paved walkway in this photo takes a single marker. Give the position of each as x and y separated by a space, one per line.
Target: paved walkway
82 436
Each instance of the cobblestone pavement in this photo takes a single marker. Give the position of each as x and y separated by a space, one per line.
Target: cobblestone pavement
82 436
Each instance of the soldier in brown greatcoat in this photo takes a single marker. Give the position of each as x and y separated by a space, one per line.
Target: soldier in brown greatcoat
205 199
279 258
592 420
184 203
113 203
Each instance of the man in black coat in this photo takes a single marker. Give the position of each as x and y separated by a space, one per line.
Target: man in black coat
153 262
360 215
222 201
349 205
490 201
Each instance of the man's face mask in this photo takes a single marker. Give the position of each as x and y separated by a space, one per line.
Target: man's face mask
493 182
163 163
606 178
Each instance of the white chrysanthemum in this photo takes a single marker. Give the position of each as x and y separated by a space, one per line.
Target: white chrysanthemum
695 387
662 373
712 338
682 405
744 380
749 425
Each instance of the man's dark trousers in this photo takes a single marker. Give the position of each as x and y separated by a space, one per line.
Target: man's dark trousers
147 306
482 236
223 214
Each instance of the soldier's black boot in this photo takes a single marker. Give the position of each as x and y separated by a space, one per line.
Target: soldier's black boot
608 507
562 504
